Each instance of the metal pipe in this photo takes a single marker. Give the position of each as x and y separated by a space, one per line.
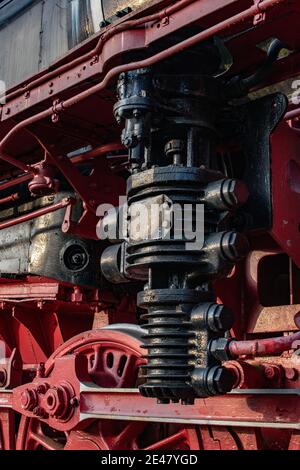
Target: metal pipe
13 161
14 182
38 213
163 55
237 88
292 114
13 197
264 347
97 152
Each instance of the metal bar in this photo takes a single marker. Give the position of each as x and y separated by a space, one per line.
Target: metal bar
13 197
77 159
264 347
38 213
13 161
197 422
247 408
270 410
237 391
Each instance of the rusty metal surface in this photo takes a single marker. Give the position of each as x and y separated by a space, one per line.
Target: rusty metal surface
250 408
110 7
37 247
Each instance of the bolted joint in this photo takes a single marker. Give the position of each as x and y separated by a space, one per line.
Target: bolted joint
234 246
219 349
226 194
234 193
58 401
129 141
29 399
174 149
212 381
215 317
224 380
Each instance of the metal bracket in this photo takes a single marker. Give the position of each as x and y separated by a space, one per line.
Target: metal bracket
10 371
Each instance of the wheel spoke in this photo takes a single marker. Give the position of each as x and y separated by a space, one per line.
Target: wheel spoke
130 433
174 440
46 442
129 371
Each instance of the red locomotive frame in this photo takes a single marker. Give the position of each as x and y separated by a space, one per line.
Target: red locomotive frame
45 321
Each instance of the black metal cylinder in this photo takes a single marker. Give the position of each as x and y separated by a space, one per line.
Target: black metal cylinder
170 131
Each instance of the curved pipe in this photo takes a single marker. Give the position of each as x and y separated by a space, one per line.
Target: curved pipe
264 347
290 115
238 87
274 50
163 55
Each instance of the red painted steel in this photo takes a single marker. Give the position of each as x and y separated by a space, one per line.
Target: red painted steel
95 358
72 384
264 347
105 358
13 197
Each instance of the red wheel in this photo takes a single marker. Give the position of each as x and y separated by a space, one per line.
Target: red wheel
114 358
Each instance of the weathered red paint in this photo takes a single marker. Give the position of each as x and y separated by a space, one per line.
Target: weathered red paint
40 318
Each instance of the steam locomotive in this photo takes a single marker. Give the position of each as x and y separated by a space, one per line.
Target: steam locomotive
149 225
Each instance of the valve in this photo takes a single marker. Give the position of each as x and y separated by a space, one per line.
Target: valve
170 130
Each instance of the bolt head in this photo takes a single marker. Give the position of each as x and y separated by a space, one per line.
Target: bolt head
74 402
234 246
29 399
173 147
272 372
128 141
219 349
237 193
224 380
291 373
57 401
220 318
